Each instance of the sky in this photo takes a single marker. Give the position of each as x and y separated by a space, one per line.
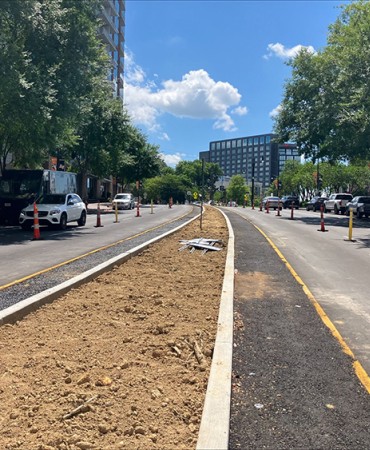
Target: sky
199 71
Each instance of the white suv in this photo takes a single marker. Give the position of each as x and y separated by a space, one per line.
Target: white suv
55 210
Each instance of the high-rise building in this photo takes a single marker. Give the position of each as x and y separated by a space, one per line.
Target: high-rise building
258 157
112 32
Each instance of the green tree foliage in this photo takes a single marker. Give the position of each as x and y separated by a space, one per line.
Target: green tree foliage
192 171
236 189
302 179
162 188
50 59
326 102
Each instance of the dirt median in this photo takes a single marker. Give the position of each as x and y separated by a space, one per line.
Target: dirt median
121 362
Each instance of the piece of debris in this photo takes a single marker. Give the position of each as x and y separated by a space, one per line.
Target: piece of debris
200 243
80 409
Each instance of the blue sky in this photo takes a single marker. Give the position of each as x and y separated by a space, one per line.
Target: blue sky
198 71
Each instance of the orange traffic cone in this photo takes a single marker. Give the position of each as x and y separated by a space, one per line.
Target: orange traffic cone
322 227
98 220
36 225
138 208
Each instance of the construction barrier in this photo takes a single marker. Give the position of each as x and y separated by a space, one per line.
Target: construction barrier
36 225
116 212
278 210
322 228
350 225
138 209
98 219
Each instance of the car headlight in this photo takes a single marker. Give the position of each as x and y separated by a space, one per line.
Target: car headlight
23 212
53 212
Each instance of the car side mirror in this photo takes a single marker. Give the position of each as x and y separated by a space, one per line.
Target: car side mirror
70 203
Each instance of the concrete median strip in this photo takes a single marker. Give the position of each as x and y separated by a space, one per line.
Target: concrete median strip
214 427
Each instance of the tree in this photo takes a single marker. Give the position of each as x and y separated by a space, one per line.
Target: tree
237 189
326 103
50 59
192 170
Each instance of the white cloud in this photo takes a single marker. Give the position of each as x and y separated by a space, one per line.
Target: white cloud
240 111
196 95
275 112
283 52
172 160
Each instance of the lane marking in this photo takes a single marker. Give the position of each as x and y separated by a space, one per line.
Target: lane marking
358 368
56 266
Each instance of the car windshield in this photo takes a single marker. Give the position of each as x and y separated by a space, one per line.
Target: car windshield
51 199
364 200
344 197
122 197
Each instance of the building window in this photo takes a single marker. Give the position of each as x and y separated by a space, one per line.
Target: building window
213 145
228 144
233 144
223 144
218 145
268 139
250 141
262 139
255 141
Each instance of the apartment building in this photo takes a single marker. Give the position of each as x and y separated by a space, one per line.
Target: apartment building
258 157
112 32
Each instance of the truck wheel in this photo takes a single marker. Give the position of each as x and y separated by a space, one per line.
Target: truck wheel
63 222
82 220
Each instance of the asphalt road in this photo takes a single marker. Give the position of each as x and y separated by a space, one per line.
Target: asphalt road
293 387
21 256
334 269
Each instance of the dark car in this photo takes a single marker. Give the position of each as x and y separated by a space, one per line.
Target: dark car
287 201
360 206
315 203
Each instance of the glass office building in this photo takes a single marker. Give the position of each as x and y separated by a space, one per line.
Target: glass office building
259 156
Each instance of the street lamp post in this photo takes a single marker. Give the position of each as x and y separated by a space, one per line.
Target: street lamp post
252 196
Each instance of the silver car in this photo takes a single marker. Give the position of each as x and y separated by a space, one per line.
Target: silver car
272 202
123 201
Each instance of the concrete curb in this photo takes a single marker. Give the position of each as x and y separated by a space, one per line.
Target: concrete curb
215 423
21 309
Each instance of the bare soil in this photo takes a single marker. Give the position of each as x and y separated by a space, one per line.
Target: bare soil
121 362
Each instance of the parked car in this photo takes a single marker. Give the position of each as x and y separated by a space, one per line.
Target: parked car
55 210
315 203
360 206
123 201
337 203
288 199
273 203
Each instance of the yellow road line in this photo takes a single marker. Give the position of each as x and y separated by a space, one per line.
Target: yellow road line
56 266
359 370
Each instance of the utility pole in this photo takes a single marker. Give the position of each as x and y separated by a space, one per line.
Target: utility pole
252 197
